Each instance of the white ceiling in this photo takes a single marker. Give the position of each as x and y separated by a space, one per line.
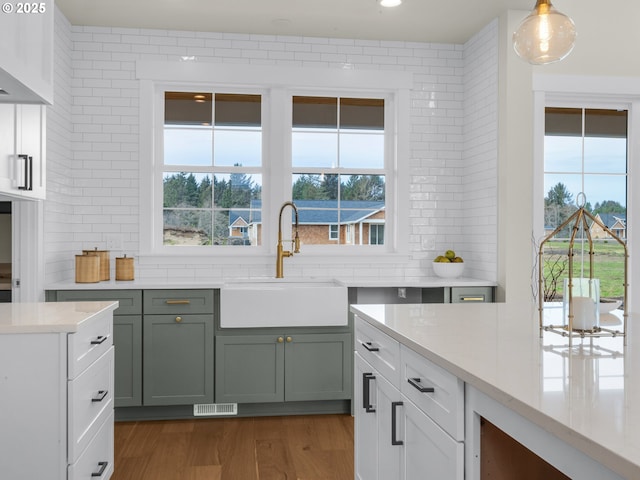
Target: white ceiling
433 21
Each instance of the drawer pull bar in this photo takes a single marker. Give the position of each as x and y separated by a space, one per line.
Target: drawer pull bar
472 299
100 339
415 382
103 467
178 302
394 422
366 392
100 396
368 346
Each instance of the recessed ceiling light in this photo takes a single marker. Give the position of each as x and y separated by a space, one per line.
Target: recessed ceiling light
390 3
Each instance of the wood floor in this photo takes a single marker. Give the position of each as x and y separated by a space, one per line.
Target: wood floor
309 447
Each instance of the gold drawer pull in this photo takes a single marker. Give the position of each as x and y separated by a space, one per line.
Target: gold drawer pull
280 339
472 299
178 319
289 339
177 302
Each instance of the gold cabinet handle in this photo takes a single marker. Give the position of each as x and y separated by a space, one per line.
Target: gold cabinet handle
289 339
177 302
280 339
472 299
178 319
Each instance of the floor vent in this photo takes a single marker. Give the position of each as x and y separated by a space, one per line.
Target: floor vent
212 409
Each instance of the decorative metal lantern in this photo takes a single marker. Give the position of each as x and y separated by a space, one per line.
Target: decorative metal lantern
581 296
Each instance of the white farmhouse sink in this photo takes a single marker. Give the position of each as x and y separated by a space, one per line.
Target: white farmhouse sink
274 302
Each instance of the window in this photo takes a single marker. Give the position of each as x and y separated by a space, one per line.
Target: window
376 234
338 164
585 151
218 159
212 164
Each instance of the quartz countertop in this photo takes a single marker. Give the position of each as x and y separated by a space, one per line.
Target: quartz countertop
587 396
424 282
49 317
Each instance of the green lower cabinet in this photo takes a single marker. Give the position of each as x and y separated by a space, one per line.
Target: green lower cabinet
127 338
277 368
318 367
177 359
249 369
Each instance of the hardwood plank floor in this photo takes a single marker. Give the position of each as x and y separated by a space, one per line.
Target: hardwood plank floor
306 447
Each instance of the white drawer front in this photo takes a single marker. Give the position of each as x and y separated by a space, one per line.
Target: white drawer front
90 402
379 349
92 339
97 458
445 404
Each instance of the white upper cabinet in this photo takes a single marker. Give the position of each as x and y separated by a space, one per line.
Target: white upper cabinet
26 52
22 151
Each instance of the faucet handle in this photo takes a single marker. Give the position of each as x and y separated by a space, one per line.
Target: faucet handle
296 242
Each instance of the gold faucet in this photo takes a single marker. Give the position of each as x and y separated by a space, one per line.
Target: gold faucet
295 243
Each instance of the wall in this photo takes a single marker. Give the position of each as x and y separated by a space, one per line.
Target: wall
60 223
104 165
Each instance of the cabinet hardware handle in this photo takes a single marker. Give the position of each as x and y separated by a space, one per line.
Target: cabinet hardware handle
178 319
178 302
28 172
368 346
415 383
280 339
100 339
366 392
394 422
472 299
100 396
289 339
103 467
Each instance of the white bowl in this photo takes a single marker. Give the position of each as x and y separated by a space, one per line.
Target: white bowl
448 270
606 307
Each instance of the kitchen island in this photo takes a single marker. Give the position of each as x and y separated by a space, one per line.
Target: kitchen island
578 409
56 390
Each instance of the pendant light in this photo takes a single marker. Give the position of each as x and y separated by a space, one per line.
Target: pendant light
545 35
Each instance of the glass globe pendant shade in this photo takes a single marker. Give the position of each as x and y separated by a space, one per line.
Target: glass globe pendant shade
545 35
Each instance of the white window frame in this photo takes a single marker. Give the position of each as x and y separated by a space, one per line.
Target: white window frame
334 235
277 85
591 92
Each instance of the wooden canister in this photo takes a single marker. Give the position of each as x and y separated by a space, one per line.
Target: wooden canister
124 268
87 269
105 267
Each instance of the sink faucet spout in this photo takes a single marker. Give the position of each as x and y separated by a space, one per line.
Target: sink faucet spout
281 253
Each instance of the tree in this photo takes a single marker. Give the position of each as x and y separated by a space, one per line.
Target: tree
609 206
363 187
558 207
559 195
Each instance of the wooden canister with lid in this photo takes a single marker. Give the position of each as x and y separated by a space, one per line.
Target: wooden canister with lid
87 269
124 268
105 267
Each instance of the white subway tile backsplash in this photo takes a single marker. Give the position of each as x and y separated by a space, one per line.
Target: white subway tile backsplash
93 136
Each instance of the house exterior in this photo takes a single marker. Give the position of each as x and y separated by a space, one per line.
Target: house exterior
321 222
616 222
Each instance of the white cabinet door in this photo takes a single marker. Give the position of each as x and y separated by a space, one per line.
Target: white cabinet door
22 151
7 148
429 453
389 455
376 457
366 421
30 143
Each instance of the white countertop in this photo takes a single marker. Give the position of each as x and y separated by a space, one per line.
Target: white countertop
425 282
49 317
588 396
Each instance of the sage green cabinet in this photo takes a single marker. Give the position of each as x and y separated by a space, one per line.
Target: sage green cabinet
286 367
127 338
178 347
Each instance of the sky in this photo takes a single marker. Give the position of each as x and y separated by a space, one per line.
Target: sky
604 161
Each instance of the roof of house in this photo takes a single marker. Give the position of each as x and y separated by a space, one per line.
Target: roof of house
610 219
316 212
